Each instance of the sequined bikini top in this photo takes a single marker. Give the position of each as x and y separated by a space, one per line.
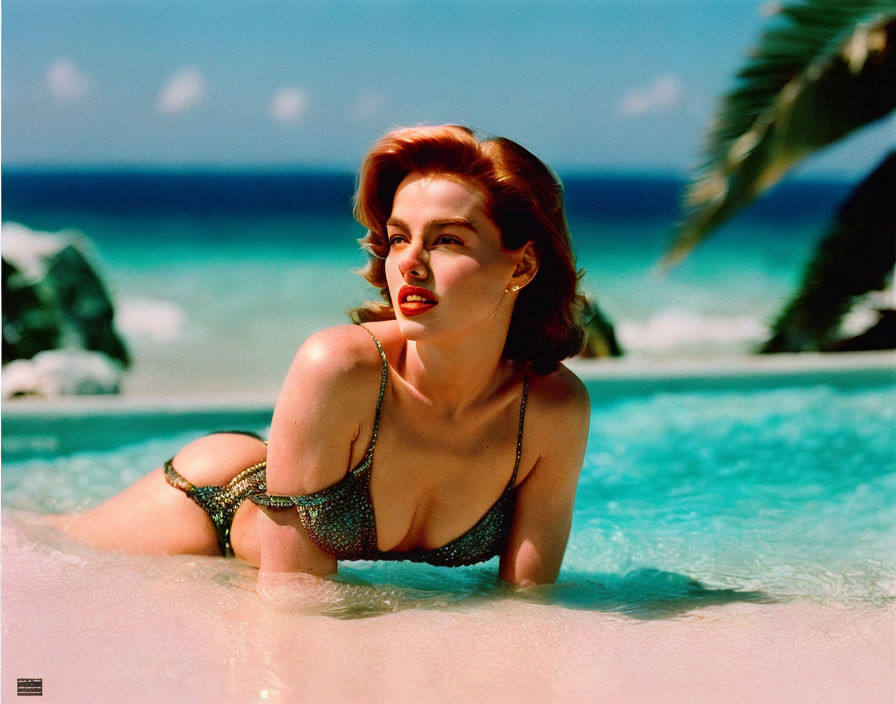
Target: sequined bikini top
340 519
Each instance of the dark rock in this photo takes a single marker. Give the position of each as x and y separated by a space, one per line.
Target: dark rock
600 336
53 299
30 324
84 303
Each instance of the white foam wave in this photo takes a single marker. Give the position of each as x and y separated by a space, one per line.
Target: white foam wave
158 321
673 329
864 313
30 249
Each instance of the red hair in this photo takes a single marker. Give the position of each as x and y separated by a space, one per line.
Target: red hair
524 200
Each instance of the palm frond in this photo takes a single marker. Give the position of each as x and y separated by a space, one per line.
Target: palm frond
856 256
824 69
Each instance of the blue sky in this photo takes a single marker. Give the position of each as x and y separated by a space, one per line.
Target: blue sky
609 84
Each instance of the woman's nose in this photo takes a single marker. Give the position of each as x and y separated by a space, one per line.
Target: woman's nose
413 265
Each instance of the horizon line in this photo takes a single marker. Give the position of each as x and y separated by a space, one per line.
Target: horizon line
321 169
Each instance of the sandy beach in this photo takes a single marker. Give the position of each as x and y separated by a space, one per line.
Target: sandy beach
100 628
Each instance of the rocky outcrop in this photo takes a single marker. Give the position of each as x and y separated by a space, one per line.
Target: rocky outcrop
53 299
600 335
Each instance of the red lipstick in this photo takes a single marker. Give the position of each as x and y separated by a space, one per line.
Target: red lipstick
413 300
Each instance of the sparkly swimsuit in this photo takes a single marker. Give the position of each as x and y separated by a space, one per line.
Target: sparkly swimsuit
340 518
221 502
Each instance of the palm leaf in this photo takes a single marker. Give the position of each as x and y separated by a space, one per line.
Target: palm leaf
856 255
826 68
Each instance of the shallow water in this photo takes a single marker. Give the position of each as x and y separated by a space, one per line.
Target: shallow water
787 492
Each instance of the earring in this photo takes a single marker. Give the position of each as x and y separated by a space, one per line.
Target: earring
514 288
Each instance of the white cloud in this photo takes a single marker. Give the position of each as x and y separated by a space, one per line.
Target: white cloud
664 93
289 104
65 81
184 90
368 105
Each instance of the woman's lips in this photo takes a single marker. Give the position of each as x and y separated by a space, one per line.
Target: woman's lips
413 300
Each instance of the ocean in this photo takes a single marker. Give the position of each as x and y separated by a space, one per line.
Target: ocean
218 276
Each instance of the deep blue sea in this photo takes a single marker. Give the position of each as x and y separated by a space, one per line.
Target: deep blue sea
218 276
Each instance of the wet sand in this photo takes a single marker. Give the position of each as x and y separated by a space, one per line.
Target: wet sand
113 628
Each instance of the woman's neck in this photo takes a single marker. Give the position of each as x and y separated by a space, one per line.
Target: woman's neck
453 375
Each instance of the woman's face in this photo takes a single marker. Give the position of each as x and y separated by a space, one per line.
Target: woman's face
446 268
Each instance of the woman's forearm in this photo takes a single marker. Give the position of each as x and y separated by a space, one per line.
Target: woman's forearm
286 547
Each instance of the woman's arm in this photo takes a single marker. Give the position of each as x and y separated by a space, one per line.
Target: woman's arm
545 499
317 419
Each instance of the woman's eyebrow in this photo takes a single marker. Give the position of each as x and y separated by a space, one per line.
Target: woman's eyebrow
397 222
435 224
458 222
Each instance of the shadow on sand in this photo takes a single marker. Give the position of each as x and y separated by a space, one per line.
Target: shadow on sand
644 593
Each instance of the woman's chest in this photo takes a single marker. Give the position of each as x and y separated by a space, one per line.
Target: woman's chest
432 481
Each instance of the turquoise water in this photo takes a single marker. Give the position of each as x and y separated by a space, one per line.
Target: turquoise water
789 491
217 282
739 492
220 304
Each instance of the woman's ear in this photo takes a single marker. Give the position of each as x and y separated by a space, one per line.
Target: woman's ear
525 270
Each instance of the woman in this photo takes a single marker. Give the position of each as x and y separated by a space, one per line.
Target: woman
443 429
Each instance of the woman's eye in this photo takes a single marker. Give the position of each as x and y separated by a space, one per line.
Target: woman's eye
397 239
448 239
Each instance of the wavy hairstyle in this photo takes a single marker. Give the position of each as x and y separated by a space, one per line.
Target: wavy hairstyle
524 200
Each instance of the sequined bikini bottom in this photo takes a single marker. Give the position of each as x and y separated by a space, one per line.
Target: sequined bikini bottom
221 502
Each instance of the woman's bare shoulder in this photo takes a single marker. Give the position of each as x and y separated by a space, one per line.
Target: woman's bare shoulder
562 391
560 409
343 358
325 403
339 348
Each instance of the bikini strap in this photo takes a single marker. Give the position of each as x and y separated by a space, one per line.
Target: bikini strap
519 437
382 395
